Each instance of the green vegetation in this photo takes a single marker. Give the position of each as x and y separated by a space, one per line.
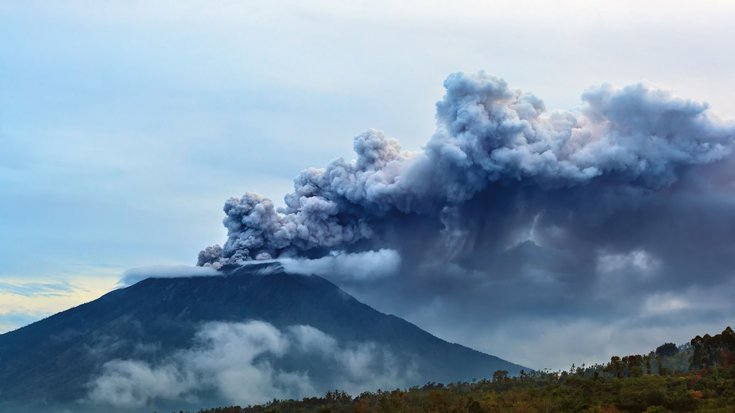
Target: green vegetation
657 382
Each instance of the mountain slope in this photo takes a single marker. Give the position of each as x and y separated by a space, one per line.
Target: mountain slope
54 361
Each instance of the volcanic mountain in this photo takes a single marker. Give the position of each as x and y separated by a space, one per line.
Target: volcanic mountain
246 336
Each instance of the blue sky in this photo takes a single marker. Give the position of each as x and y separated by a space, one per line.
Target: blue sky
125 125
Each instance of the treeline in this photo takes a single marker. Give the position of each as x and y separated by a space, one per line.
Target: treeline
697 377
717 350
700 353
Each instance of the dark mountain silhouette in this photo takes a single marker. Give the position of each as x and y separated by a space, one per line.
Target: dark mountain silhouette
52 362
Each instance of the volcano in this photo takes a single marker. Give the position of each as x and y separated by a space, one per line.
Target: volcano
299 333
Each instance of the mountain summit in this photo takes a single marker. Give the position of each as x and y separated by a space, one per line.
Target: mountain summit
247 336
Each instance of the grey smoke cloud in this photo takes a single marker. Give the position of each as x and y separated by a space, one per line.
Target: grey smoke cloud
247 363
488 137
513 215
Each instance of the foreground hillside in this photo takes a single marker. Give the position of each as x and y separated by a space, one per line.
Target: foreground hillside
650 383
707 391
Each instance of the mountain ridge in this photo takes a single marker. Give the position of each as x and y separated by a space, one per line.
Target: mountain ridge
55 360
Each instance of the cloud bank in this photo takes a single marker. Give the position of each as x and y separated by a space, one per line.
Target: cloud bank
513 214
248 363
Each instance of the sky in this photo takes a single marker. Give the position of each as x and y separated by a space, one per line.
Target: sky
125 126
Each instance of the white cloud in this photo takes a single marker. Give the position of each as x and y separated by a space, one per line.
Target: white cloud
638 261
664 303
239 363
361 266
132 383
310 339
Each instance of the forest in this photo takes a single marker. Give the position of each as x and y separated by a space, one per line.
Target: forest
695 377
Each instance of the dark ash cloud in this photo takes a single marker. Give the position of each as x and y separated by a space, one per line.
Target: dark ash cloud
511 212
490 139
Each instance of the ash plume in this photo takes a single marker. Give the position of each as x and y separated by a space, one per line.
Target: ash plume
498 166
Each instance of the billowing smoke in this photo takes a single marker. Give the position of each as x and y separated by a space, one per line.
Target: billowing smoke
490 139
513 215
